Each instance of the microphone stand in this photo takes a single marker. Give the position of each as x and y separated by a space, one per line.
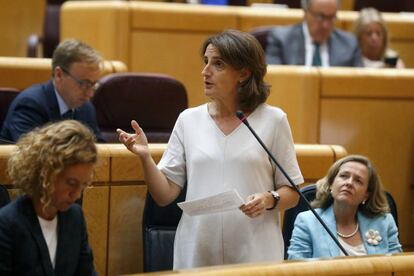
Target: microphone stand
242 118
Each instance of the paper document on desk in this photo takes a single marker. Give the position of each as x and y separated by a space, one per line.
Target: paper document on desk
213 204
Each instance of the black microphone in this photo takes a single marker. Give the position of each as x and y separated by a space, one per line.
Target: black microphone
243 118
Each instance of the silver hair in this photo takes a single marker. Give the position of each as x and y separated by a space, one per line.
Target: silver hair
306 3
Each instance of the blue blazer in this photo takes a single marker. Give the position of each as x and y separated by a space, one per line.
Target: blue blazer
23 250
37 106
286 45
310 239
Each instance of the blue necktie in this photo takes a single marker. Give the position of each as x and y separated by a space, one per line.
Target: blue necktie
316 59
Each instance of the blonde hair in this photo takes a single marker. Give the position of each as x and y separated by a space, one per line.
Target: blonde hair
375 205
366 17
43 153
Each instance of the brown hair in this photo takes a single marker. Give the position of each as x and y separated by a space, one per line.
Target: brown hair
242 51
70 51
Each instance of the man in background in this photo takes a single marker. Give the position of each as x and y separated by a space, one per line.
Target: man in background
76 68
315 41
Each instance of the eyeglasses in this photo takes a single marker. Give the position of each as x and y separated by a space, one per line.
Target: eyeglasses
83 84
320 17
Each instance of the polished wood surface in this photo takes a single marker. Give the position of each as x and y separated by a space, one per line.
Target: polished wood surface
374 265
114 204
18 20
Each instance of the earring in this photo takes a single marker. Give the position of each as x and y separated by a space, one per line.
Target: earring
363 202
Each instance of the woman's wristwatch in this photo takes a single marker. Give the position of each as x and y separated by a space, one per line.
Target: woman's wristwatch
276 198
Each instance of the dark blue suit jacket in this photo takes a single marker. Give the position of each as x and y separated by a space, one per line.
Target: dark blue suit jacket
23 250
37 106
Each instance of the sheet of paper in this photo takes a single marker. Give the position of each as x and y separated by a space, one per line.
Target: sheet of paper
212 204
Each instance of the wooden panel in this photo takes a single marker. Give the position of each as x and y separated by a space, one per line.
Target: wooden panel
380 265
96 207
383 130
18 20
126 166
255 17
184 17
125 229
367 83
182 60
102 24
295 89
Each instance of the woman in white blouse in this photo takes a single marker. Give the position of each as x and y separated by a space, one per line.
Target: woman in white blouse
211 151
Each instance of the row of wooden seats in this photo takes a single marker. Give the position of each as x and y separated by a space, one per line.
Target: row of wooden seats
114 205
166 37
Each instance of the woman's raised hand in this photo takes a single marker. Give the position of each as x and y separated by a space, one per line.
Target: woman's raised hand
135 142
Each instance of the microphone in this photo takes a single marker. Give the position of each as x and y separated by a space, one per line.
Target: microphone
243 119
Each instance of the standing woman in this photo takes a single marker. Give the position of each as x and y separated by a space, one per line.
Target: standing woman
43 232
211 151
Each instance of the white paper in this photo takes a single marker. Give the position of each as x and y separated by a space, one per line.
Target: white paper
213 204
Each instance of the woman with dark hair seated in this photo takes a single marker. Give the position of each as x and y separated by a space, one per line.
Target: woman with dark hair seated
351 201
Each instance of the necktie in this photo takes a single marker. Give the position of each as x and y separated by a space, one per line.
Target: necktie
316 60
68 115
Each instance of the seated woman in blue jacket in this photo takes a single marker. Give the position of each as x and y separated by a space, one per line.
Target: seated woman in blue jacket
351 201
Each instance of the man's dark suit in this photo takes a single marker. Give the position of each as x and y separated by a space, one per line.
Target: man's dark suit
37 106
23 250
286 45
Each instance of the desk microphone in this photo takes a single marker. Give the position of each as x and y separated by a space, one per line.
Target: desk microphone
243 118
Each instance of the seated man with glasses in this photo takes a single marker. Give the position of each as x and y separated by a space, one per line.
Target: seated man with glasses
316 41
76 68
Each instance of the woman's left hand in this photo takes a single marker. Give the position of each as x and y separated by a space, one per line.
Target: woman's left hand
256 204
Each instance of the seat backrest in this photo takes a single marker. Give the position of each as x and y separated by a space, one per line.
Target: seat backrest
153 100
310 192
260 33
51 27
158 230
7 95
290 215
